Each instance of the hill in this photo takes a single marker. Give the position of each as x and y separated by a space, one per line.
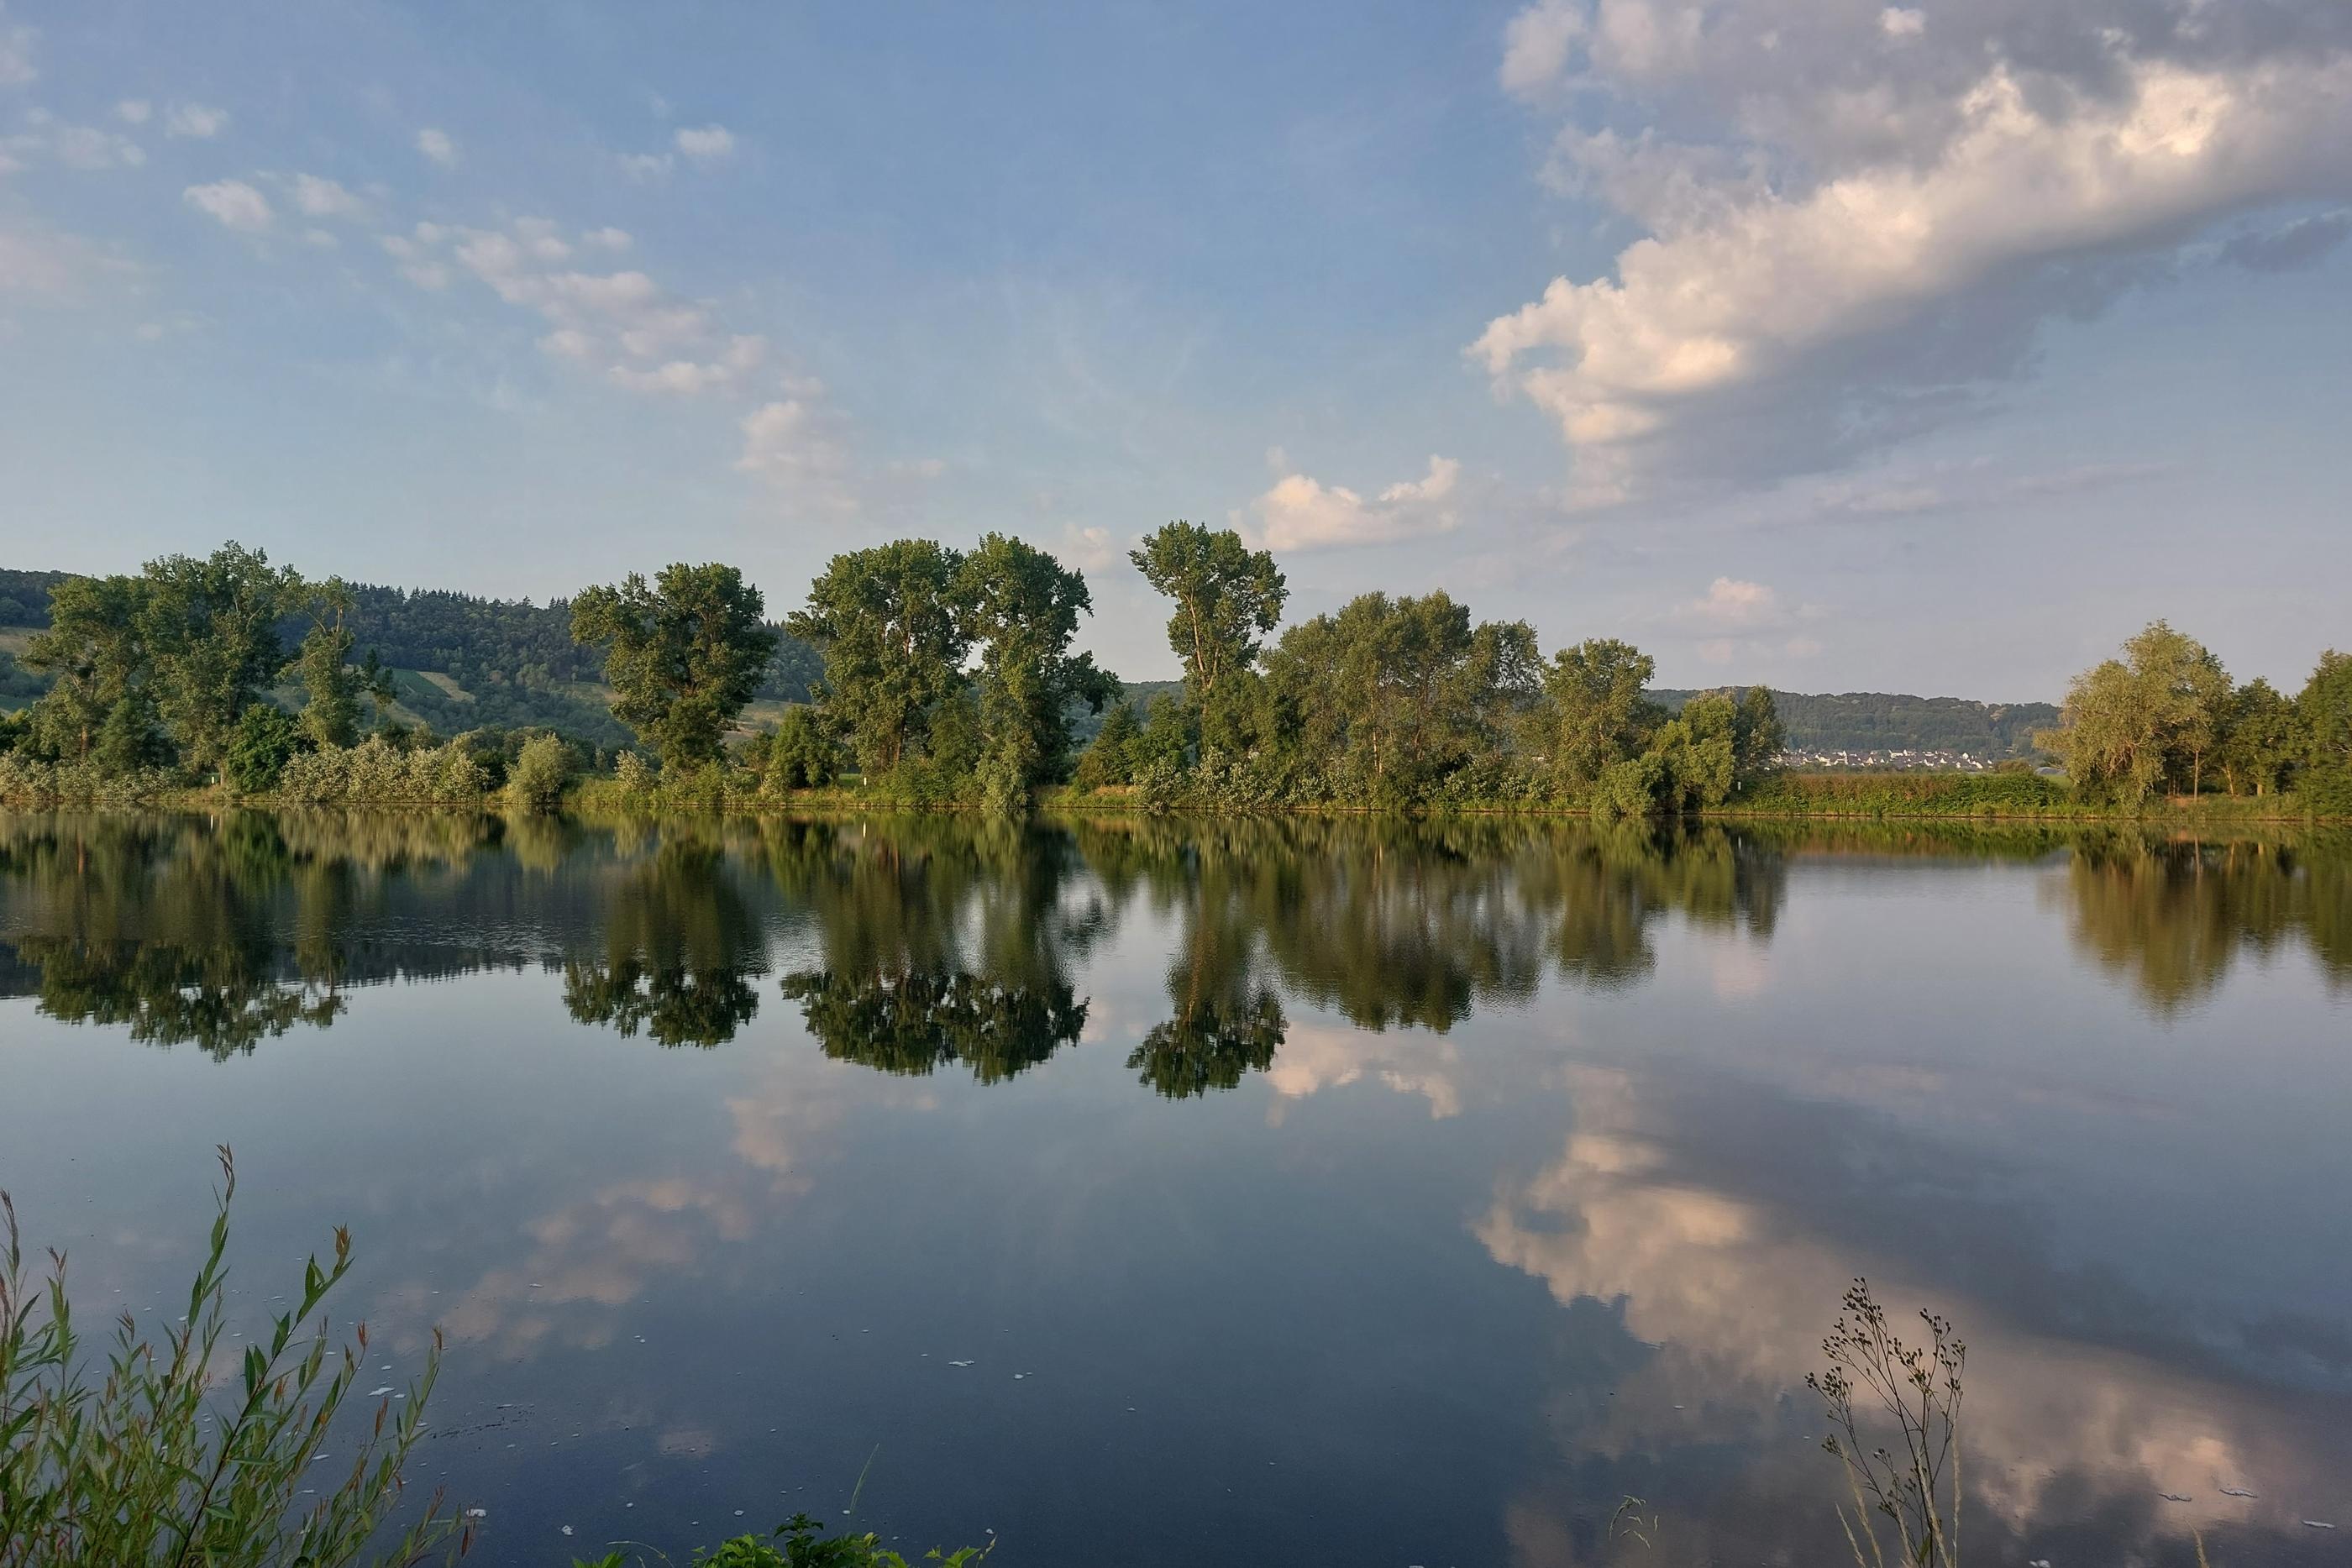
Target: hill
459 662
1889 721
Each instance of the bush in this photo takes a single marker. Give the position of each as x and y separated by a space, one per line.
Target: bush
542 771
146 1469
804 1544
266 739
636 778
802 754
378 772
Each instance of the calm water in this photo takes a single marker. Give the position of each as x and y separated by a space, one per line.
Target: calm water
1296 1193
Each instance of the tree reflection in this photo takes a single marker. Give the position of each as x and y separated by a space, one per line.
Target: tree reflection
915 1023
170 935
2172 918
681 947
942 940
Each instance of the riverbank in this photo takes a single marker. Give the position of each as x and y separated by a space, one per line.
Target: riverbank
1929 797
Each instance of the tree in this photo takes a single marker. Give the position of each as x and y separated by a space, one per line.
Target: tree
1110 759
2130 725
683 656
543 769
892 630
1394 695
1227 597
210 628
1756 737
800 753
95 647
1595 713
2323 710
1020 607
2260 740
330 714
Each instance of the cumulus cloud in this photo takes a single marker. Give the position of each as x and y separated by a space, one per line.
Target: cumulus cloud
1537 42
439 146
134 110
1302 513
235 204
1736 618
607 239
195 121
1864 216
704 143
316 196
646 165
790 443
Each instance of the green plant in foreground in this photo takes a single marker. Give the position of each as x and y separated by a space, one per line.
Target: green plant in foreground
804 1544
150 1468
1918 1386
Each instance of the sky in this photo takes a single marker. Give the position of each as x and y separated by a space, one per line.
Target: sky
1835 345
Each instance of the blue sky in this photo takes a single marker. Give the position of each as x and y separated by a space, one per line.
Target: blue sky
1838 345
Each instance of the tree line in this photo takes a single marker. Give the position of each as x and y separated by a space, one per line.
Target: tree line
939 674
2165 717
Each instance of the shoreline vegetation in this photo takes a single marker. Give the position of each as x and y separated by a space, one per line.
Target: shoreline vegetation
950 682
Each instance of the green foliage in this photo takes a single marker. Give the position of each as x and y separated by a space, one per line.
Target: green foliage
543 770
331 687
2323 710
210 629
801 1542
165 1461
1389 696
2133 725
683 656
1022 607
1594 712
1109 761
267 740
2262 740
380 773
1227 596
890 624
800 753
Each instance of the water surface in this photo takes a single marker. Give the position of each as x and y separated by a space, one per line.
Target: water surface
1296 1192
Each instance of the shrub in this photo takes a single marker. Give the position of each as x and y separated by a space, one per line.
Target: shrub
636 778
378 772
266 739
804 1544
147 1469
542 771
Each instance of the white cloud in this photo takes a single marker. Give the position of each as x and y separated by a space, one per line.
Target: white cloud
1536 42
439 146
643 166
134 110
741 357
1302 513
623 324
1730 604
2291 245
1870 237
787 442
88 147
316 196
706 143
607 239
1089 549
236 204
196 121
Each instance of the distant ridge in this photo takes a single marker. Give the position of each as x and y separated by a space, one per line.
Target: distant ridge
1892 721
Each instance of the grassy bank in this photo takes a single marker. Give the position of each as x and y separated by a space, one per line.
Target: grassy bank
1962 797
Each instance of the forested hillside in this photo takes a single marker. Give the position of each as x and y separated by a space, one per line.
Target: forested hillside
1887 721
457 662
